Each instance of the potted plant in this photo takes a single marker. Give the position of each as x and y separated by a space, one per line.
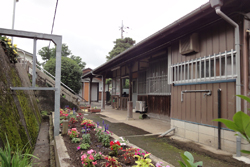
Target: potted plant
94 110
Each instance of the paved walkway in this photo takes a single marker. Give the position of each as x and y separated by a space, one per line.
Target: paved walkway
151 125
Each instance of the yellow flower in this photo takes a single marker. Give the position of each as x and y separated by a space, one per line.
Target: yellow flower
5 39
15 45
9 40
14 51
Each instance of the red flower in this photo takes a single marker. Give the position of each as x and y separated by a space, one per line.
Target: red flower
118 143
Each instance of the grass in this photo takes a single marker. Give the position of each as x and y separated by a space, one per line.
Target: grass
15 158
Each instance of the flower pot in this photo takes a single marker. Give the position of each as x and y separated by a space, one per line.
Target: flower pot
84 107
94 110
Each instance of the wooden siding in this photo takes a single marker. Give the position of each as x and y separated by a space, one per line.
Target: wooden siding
86 91
195 106
157 104
203 109
213 39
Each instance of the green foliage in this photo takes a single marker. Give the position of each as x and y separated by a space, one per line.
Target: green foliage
78 60
70 72
106 140
10 50
44 113
48 54
84 146
103 137
75 140
126 86
120 46
143 161
86 138
240 123
15 158
189 160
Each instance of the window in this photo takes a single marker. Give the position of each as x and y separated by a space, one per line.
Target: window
115 86
157 78
216 67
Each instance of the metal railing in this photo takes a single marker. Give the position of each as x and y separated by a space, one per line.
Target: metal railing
64 85
213 67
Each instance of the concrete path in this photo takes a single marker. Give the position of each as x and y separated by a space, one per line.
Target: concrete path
42 150
153 126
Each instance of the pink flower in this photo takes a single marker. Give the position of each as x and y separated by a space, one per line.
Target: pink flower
90 151
74 129
78 148
84 156
91 157
94 163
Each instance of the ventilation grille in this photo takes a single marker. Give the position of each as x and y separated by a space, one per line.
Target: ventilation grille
189 44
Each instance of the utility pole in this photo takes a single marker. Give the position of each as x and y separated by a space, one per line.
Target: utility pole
13 17
122 29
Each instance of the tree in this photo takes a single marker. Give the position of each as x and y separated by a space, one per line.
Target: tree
47 54
70 72
120 46
78 60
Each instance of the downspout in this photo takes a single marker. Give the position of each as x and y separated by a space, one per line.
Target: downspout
216 4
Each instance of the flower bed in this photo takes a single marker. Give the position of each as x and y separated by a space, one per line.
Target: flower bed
89 144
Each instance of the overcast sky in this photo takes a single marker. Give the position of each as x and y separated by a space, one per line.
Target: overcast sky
89 27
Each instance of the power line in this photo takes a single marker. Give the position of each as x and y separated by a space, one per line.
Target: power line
53 21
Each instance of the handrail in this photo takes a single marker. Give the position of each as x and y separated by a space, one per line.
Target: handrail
42 69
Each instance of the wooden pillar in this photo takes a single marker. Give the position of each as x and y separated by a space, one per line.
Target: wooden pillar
130 82
130 109
90 89
82 91
103 91
121 88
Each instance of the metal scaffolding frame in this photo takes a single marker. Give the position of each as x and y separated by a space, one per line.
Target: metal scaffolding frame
57 40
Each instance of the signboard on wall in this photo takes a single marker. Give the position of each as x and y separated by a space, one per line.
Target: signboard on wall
30 71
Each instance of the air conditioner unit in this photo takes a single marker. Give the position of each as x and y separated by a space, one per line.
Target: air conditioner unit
189 44
140 106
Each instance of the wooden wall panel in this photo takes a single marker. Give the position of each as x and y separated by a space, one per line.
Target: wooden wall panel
158 104
215 102
203 109
192 103
230 37
215 42
198 97
135 67
86 91
231 100
210 106
188 103
203 105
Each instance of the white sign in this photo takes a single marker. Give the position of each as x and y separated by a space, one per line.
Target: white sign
30 71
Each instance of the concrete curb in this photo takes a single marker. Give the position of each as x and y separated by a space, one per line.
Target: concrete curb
61 152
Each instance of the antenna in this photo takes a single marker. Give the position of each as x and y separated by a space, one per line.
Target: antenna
122 28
